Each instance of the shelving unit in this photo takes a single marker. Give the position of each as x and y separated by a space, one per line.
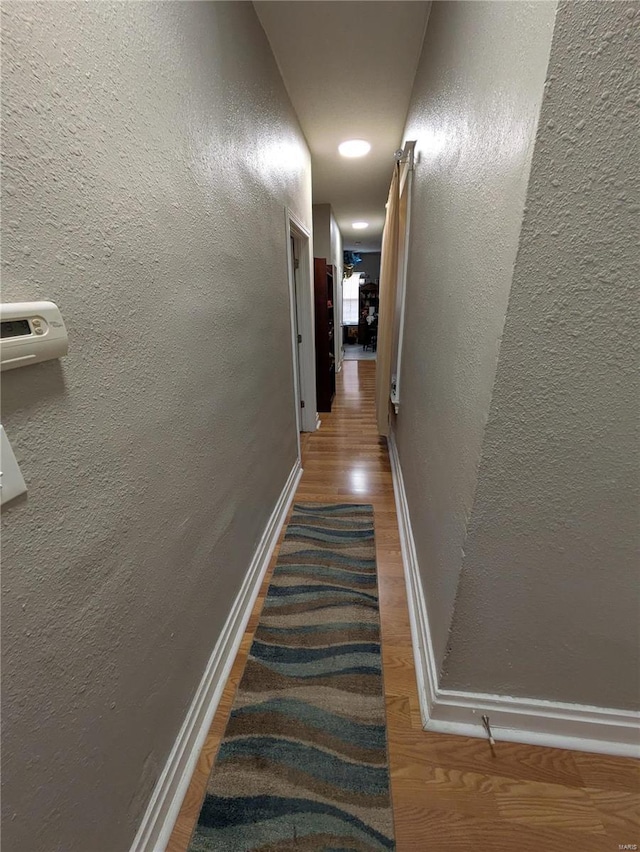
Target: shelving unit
368 298
323 276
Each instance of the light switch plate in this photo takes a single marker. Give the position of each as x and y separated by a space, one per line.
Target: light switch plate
11 482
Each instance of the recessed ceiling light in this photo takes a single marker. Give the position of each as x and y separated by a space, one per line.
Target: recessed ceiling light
359 226
354 148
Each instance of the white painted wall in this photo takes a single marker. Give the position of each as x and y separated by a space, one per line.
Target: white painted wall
149 152
473 112
549 594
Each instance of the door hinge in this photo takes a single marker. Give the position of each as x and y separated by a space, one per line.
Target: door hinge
296 263
302 403
299 338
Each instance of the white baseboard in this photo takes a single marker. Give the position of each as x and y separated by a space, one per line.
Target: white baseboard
161 814
426 671
524 720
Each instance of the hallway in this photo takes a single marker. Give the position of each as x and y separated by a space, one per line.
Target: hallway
172 176
449 794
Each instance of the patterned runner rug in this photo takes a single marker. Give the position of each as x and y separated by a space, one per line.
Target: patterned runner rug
303 763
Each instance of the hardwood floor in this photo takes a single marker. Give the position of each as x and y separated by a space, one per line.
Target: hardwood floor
449 793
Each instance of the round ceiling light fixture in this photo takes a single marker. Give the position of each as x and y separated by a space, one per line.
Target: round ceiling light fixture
354 148
359 226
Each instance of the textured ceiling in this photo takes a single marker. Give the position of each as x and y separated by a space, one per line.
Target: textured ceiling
349 68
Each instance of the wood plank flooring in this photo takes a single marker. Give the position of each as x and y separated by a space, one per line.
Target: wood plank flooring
449 793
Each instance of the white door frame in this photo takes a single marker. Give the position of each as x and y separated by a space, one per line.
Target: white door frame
406 185
303 353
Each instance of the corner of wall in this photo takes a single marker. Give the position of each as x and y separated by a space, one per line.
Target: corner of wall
553 487
469 191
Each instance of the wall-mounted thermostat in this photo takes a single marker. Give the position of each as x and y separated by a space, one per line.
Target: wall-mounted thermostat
31 332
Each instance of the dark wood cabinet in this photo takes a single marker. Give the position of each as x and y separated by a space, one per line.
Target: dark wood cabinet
323 277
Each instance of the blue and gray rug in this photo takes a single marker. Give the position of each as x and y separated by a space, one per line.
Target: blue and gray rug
303 762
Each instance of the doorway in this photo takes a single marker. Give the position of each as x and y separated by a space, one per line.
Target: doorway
300 276
294 265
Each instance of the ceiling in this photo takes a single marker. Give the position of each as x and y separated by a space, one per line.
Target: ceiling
348 66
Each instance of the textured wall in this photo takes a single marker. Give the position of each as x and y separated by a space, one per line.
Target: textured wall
149 151
473 112
548 601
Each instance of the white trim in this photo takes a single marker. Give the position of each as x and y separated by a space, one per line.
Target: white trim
555 724
166 800
406 183
303 352
426 672
295 354
522 720
337 313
